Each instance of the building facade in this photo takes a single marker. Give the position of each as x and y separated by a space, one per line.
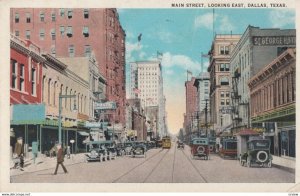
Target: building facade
256 48
79 33
272 102
191 106
220 80
146 84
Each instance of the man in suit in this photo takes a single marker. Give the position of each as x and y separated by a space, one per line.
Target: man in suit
60 159
19 152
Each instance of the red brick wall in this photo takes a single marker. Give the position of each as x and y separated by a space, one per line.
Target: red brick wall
191 100
25 97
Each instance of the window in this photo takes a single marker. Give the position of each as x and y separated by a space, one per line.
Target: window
14 73
85 13
69 31
28 18
62 30
224 81
17 18
85 31
70 14
224 50
17 33
22 78
227 94
87 50
205 84
71 51
222 102
53 17
222 94
42 17
226 67
62 12
27 34
222 67
53 35
33 81
227 102
42 34
52 50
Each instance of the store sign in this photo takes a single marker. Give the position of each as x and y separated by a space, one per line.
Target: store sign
110 105
226 110
274 40
92 124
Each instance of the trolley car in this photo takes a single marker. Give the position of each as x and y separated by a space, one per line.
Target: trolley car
166 142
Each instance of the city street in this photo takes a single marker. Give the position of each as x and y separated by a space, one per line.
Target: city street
160 166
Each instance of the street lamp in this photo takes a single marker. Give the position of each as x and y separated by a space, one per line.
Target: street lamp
60 110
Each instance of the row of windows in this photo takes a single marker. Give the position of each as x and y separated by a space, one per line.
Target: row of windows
225 94
224 50
52 16
18 77
225 101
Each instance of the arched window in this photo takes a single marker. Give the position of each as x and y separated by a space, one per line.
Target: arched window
224 81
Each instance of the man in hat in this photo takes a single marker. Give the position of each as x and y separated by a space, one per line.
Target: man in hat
60 159
19 152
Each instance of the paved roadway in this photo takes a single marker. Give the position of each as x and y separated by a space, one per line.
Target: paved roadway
160 166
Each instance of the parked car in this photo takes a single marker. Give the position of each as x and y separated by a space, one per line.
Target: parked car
258 152
138 149
200 148
98 151
120 147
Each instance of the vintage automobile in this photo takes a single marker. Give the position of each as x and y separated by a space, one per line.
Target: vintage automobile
120 148
166 142
138 149
158 143
258 151
98 151
128 147
200 148
228 148
180 145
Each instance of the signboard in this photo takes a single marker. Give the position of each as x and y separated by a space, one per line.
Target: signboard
92 124
274 40
110 105
29 112
226 110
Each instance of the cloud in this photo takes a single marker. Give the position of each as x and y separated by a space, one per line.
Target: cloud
280 18
182 61
131 48
206 21
165 36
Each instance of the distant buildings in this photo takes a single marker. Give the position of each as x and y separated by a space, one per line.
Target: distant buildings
146 84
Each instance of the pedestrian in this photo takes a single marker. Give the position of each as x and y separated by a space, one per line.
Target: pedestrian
60 159
68 152
19 152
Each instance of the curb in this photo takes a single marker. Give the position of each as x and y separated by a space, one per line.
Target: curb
288 169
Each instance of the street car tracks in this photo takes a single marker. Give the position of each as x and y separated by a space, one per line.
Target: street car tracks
128 172
194 167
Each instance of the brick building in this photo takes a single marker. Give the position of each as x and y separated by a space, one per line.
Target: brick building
191 104
273 102
77 33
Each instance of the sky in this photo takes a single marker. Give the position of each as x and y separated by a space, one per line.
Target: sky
182 35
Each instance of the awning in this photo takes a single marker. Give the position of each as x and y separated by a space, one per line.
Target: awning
83 133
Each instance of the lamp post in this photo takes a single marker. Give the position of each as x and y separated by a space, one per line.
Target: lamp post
60 110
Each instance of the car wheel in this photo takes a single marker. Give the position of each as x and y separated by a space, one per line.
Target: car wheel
248 162
270 164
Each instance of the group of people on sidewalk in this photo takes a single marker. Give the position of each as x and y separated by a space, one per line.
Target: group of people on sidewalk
18 156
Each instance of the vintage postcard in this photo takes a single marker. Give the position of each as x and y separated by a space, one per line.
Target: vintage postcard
149 96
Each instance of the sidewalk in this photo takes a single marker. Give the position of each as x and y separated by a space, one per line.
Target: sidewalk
42 163
286 163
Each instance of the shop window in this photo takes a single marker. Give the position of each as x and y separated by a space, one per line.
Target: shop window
288 143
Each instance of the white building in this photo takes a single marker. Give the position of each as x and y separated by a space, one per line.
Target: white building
146 83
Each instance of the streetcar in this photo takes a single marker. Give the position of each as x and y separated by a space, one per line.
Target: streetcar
166 142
